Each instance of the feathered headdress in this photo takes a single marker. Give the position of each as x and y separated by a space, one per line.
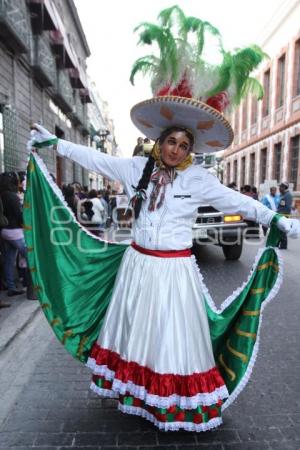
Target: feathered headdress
179 69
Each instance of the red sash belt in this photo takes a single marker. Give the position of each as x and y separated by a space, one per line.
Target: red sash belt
163 253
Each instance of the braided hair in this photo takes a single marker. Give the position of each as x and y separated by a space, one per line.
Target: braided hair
141 188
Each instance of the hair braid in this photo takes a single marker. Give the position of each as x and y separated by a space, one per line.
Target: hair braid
142 186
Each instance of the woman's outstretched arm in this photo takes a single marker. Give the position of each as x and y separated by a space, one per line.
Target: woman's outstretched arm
109 166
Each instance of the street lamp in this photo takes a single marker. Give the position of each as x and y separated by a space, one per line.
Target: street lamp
100 138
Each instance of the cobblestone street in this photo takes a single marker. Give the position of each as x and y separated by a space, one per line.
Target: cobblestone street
46 402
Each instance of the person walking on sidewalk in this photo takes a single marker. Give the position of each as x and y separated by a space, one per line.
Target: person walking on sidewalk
12 234
285 208
3 223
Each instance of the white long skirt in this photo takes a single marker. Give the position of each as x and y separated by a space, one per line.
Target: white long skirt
154 351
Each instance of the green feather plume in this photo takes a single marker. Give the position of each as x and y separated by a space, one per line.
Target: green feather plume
172 16
234 74
152 33
244 61
146 65
179 57
200 27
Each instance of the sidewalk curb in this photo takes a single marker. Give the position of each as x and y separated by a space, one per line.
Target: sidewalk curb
12 327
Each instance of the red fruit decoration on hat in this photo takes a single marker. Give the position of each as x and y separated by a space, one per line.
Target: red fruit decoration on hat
180 69
219 101
183 89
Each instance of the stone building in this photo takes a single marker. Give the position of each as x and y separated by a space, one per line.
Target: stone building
43 53
101 132
267 133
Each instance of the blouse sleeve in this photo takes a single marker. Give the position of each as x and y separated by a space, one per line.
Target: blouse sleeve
110 166
230 201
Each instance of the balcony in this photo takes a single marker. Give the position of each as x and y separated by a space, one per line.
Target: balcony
265 123
43 15
14 25
279 114
296 104
63 92
43 61
253 130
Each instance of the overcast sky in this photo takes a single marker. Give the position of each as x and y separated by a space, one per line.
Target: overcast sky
109 24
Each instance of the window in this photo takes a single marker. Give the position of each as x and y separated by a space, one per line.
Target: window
297 69
280 81
254 106
243 170
235 166
277 161
252 169
294 160
263 165
266 99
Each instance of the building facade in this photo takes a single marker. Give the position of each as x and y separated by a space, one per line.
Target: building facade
266 145
101 132
43 52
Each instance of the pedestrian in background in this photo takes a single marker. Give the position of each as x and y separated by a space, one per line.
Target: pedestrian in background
232 185
69 194
12 235
254 192
138 149
101 196
3 223
98 218
271 201
285 208
252 230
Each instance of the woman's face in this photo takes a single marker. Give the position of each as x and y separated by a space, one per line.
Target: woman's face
175 148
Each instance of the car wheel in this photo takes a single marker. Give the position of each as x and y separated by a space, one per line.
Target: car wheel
232 251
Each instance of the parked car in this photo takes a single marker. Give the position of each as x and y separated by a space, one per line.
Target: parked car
215 227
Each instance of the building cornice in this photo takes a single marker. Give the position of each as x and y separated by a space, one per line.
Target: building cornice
263 136
77 21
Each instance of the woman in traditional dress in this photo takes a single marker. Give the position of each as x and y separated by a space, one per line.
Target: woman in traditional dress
154 351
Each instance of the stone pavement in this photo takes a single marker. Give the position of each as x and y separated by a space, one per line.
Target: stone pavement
46 403
16 317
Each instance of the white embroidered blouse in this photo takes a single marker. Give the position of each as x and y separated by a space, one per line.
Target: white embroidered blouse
169 227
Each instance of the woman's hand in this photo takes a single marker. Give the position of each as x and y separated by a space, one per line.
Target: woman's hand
289 226
40 137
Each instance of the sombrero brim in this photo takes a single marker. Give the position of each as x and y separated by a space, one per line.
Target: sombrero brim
211 130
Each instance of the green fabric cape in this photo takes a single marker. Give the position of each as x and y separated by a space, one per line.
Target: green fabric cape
74 272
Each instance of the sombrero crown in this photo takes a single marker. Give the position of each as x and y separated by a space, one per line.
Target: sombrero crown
188 91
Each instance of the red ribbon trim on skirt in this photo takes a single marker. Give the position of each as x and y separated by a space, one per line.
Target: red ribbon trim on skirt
163 253
162 385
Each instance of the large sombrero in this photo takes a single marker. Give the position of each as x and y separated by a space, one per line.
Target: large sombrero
210 128
187 90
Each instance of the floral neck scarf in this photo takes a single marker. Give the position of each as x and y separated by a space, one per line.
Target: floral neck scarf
162 176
